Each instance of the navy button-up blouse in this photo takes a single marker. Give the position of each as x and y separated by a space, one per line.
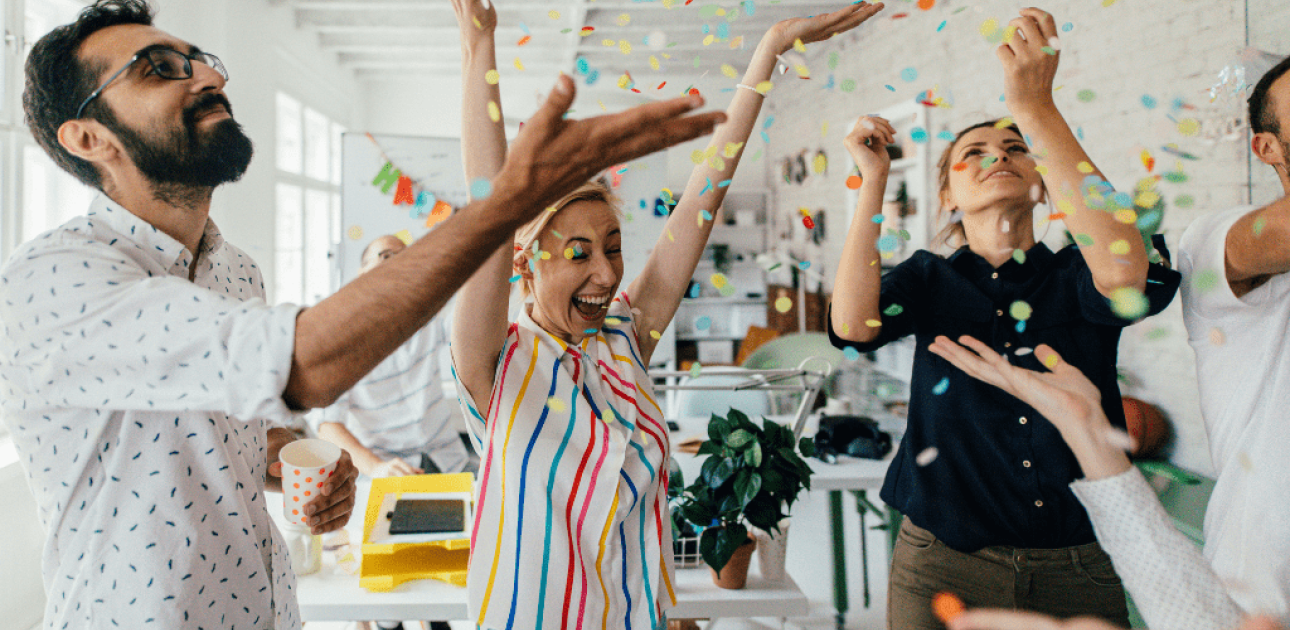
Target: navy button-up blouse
1002 471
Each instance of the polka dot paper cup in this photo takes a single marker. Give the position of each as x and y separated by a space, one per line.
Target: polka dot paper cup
306 465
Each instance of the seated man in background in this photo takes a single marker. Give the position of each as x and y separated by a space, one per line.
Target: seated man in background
396 421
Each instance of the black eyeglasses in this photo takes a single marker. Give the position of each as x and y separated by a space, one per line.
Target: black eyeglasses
166 63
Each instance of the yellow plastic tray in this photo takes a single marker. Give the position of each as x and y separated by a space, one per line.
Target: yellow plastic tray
387 565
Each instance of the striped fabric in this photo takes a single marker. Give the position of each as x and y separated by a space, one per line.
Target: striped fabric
571 527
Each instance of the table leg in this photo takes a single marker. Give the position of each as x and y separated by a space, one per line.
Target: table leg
864 547
839 558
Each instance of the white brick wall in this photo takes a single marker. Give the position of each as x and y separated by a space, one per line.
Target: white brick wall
1170 50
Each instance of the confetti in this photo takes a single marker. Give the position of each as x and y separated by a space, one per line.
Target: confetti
1148 101
926 5
1084 167
1189 126
1020 311
515 278
355 232
764 87
586 30
481 188
719 280
624 19
1129 303
947 606
553 14
784 304
519 65
847 85
625 46
524 40
703 323
494 112
941 386
918 135
695 369
893 310
927 456
1021 352
850 353
492 77
1204 280
556 405
1259 224
878 218
1019 255
1086 96
853 182
872 323
655 334
909 75
1120 247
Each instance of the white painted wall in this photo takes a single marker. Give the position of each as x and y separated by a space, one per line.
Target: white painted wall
1167 49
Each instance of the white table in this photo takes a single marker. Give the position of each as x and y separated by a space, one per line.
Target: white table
332 595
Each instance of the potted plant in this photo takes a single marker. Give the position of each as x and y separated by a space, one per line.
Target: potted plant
752 474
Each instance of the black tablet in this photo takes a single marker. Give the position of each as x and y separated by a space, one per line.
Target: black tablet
428 516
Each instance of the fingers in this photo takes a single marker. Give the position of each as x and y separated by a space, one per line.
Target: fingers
330 516
1047 25
988 619
630 142
558 101
1050 358
275 469
987 353
344 476
1029 30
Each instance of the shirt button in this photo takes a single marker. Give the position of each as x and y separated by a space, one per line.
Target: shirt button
1007 344
999 312
1026 463
1023 420
1039 504
995 275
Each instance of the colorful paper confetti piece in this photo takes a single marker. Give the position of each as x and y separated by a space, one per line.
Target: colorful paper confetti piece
354 232
927 456
909 75
784 304
654 334
1020 311
492 77
941 386
853 182
851 354
695 370
1129 303
556 405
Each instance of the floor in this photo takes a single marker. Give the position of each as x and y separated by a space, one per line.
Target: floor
808 550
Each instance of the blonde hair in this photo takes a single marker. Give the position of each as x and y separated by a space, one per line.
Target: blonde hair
594 190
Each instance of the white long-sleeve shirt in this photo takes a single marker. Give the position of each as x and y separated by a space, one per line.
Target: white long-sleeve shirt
1172 584
139 403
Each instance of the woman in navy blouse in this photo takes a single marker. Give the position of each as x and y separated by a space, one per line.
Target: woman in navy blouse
988 513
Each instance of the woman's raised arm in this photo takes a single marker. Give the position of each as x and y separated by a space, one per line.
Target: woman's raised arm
479 321
658 290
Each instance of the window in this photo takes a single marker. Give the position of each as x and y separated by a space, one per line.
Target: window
308 203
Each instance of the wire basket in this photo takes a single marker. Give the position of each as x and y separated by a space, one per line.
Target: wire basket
685 552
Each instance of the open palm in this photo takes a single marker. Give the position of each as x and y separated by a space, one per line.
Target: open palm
820 27
1063 394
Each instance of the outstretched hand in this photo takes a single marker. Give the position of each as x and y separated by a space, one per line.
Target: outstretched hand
786 33
1029 55
553 155
1063 394
867 144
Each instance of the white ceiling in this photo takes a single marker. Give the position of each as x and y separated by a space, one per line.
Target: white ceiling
417 39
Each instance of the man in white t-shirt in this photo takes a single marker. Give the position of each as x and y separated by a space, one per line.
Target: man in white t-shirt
396 421
1236 304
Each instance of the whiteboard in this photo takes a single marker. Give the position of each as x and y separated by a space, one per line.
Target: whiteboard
434 170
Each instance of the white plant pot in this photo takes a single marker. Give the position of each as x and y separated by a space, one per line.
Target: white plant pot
772 552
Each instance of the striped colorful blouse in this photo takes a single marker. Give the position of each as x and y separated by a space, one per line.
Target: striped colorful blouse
572 528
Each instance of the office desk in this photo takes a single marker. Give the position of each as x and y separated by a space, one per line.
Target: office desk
332 595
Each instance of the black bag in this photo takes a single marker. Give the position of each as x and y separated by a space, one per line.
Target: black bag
857 436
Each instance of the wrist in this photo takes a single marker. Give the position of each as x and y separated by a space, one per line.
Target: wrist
1031 109
477 43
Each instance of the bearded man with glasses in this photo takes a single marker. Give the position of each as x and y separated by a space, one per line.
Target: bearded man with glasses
143 376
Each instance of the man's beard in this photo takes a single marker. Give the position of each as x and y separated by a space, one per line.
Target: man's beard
186 163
